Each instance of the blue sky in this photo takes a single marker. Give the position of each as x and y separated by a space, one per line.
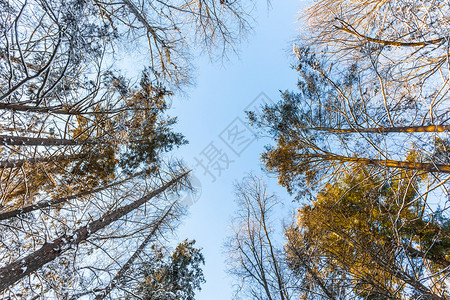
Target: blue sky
213 110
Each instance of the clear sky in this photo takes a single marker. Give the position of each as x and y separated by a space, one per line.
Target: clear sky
211 119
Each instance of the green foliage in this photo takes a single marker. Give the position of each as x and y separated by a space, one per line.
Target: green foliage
176 277
148 132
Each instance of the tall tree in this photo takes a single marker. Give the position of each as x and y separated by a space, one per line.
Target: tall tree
335 98
129 274
303 166
175 277
374 237
54 68
375 33
333 122
256 260
131 139
51 250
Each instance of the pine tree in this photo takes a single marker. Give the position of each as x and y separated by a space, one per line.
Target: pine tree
175 277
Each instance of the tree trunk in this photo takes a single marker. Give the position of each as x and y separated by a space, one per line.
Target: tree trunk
398 272
51 250
50 203
427 167
400 129
65 111
15 163
280 281
142 19
18 129
32 141
37 109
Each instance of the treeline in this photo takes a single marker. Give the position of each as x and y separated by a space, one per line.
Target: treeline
86 190
364 145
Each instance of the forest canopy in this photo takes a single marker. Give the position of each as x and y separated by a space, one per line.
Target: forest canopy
91 198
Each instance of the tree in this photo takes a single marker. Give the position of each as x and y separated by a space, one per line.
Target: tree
365 234
253 253
47 48
304 161
315 279
126 270
404 41
131 140
175 277
340 101
333 122
366 140
57 89
54 68
50 250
